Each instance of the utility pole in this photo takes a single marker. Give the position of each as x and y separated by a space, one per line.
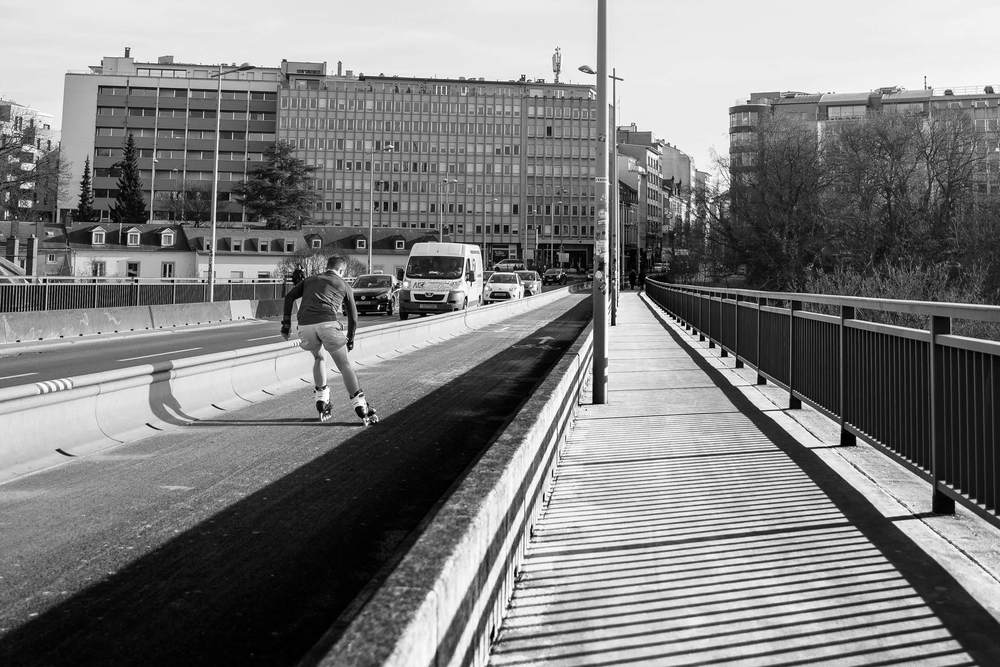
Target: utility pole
600 286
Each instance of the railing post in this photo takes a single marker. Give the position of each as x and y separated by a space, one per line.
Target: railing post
846 437
760 378
940 503
46 294
711 328
137 291
736 334
95 292
722 326
701 318
173 291
793 402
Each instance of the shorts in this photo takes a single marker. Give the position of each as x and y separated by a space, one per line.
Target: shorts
329 335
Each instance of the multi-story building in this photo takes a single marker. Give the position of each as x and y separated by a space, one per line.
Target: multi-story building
27 138
170 109
981 103
508 165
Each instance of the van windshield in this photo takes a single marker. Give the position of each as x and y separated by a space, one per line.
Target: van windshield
445 268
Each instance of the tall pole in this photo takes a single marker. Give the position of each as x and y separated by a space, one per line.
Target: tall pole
371 207
152 186
616 271
600 289
215 186
444 183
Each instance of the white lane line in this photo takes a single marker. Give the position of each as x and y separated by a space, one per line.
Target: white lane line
161 354
250 340
22 375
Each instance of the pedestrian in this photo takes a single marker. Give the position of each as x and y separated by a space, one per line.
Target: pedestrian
298 275
320 328
631 279
642 279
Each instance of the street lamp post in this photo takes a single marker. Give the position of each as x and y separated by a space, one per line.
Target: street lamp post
614 226
215 170
599 287
444 184
484 226
388 148
552 233
152 187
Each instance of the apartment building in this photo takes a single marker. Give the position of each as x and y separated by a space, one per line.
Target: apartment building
981 103
170 108
27 139
508 165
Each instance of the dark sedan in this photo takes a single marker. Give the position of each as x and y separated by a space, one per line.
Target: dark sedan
376 293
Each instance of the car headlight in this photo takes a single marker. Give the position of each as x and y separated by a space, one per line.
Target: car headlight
384 296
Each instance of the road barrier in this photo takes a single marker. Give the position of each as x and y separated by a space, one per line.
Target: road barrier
44 422
63 324
444 602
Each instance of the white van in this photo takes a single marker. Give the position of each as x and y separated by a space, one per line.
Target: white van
441 278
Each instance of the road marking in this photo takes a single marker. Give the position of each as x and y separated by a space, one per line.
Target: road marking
22 375
161 354
250 340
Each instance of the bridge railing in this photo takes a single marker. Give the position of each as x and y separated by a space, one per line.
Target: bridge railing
926 397
62 293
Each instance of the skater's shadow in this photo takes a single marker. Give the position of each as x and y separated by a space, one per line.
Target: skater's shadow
287 421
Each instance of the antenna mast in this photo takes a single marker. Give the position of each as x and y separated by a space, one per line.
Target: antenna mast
557 63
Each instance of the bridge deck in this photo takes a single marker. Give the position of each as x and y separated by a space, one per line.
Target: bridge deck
686 527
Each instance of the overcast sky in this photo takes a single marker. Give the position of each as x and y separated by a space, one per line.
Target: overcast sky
684 63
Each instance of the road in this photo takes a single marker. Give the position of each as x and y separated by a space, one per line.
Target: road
241 540
82 356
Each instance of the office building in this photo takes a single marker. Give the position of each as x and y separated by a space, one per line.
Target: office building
28 166
508 165
170 109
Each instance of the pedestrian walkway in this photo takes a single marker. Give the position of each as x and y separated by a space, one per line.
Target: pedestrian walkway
685 527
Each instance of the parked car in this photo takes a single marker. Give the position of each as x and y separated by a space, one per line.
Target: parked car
553 276
486 276
376 293
503 286
532 282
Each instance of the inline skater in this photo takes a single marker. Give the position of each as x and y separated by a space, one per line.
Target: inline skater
320 328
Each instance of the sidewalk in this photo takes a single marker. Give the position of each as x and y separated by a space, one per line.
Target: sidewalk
686 526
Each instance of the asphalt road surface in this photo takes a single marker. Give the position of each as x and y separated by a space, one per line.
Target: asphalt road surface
243 539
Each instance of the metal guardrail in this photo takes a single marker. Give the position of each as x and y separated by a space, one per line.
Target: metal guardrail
927 398
62 293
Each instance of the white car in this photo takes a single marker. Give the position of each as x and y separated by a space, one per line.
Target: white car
503 286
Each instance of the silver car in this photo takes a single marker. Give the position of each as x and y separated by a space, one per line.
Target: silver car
532 282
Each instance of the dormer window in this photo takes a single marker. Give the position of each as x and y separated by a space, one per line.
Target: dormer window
289 246
167 238
237 245
132 238
263 245
97 236
400 245
316 244
360 244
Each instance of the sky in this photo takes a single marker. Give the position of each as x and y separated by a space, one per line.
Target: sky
683 64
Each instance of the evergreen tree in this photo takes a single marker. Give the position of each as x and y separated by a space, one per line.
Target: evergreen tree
129 207
85 210
280 189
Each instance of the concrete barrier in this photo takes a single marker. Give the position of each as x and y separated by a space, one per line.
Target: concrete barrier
83 414
445 600
56 324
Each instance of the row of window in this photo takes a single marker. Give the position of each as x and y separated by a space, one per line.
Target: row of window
163 154
225 135
442 108
185 113
414 187
207 94
508 168
99 269
191 175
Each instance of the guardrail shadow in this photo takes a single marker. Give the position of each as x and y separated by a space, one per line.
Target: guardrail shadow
262 580
713 560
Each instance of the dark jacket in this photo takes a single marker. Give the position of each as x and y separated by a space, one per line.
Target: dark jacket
322 297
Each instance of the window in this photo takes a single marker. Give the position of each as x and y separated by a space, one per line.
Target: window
289 246
133 237
400 245
50 258
167 239
316 244
236 274
360 244
98 269
263 245
237 246
132 269
97 238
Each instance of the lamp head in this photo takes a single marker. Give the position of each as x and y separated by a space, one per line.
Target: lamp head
586 69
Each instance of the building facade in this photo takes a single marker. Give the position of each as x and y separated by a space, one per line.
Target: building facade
508 165
28 161
170 109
